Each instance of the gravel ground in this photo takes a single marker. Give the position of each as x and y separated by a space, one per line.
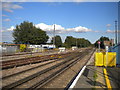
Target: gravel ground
15 78
7 58
63 79
7 72
26 74
39 78
61 83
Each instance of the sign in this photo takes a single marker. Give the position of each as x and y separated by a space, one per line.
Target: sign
99 42
112 41
107 43
107 48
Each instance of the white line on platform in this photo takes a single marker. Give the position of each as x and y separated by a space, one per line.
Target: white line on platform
76 79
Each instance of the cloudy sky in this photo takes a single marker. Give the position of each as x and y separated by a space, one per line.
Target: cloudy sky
89 20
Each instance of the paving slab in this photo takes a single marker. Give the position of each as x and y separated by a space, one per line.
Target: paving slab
114 77
92 77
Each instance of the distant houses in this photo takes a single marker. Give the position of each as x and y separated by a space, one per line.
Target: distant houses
11 48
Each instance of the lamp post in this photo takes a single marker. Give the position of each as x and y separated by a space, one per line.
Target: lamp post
54 36
116 33
76 42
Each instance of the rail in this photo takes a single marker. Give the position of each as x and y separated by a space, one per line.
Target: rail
55 70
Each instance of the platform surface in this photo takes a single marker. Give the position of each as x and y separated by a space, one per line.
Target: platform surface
93 77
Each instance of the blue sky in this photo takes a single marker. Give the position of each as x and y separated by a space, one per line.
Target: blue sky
89 20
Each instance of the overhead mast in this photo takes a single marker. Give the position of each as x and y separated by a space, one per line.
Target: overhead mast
54 36
116 37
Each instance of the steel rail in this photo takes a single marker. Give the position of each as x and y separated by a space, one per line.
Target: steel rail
5 77
55 74
12 85
11 75
23 53
29 61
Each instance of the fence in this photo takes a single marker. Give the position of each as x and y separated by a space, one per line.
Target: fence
9 49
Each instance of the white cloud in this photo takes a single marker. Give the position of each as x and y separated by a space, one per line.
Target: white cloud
4 29
8 6
6 20
11 28
4 15
8 10
79 29
50 28
14 0
60 29
108 25
110 31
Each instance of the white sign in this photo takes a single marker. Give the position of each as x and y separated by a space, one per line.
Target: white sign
107 48
62 49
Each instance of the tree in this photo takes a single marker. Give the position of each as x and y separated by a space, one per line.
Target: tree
79 42
70 41
58 41
27 33
102 39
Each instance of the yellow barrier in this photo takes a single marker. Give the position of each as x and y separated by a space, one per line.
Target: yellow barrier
99 59
110 60
105 59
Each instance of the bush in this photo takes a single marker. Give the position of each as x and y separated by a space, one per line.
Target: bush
22 47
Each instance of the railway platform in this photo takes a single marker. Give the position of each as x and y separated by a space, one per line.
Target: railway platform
94 77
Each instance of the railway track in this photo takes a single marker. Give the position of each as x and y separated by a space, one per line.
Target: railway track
45 75
25 55
30 60
46 63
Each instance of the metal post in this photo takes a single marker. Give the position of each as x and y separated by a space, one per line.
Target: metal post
76 42
54 35
115 32
99 47
106 56
112 42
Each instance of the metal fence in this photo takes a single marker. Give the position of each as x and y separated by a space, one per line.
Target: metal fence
9 50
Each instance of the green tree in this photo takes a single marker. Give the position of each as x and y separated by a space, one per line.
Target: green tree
58 41
70 41
79 42
27 33
102 39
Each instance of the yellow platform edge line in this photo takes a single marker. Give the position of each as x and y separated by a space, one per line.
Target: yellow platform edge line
107 79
